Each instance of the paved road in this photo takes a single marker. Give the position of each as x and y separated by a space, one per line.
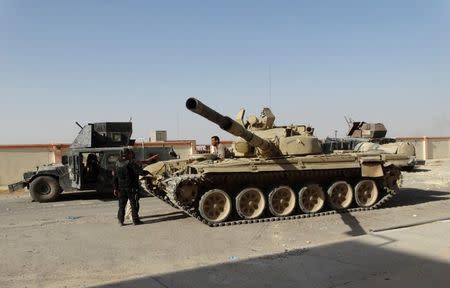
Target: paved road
76 242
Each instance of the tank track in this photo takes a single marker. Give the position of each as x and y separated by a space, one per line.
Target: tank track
172 184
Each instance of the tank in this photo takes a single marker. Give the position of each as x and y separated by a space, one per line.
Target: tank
363 137
276 173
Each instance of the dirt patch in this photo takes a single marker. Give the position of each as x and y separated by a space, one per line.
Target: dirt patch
4 193
435 174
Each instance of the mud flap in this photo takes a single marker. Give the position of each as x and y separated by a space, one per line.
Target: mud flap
371 169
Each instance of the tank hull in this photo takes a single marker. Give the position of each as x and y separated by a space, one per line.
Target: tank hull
228 181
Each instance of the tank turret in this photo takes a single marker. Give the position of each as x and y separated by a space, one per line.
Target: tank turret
260 137
367 130
104 134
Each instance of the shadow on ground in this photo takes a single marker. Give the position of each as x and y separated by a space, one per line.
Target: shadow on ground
86 195
350 264
412 196
417 170
151 219
89 195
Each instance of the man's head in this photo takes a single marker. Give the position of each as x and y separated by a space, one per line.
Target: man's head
215 140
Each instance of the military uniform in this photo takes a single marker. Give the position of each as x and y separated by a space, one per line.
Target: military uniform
126 183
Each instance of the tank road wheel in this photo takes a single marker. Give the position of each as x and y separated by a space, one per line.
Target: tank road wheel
44 189
366 193
186 193
281 201
340 195
215 206
311 198
250 203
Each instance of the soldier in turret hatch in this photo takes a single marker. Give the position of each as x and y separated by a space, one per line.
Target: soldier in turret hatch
126 185
218 148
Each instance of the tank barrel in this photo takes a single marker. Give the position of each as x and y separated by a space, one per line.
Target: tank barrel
231 126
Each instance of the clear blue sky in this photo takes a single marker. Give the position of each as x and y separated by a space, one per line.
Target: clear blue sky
88 61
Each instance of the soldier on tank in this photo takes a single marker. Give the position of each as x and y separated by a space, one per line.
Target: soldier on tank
126 185
218 148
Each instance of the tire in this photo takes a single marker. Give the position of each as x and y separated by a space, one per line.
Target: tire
44 189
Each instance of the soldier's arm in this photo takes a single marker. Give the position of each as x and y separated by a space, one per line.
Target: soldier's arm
138 169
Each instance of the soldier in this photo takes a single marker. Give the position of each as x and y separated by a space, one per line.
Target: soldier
218 148
152 158
126 185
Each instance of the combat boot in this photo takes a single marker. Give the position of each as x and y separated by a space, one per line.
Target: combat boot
137 222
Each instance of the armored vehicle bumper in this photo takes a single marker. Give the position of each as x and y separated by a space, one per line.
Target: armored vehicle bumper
17 186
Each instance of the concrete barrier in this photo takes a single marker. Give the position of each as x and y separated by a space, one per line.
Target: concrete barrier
429 147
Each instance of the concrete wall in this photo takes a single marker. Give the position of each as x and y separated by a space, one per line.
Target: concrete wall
430 147
14 162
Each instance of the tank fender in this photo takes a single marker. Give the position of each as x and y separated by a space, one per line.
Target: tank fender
371 168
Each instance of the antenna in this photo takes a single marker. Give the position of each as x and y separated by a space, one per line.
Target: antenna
349 121
270 85
81 127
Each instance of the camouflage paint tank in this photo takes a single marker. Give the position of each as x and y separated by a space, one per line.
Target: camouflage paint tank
277 173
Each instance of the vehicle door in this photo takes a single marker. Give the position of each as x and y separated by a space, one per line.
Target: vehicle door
75 170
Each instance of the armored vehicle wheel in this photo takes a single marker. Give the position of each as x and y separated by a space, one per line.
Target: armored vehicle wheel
44 189
281 201
366 193
215 206
311 198
340 195
250 203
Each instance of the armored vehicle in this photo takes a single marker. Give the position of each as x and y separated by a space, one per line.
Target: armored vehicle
363 137
277 173
87 165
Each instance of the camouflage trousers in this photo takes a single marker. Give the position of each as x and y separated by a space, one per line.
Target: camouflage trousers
128 215
132 198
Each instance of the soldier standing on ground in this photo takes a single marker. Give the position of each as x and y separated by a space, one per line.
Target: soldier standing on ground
126 185
152 158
